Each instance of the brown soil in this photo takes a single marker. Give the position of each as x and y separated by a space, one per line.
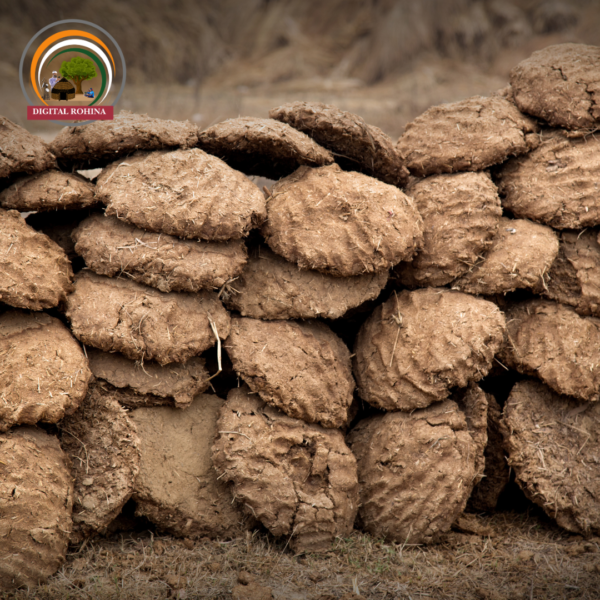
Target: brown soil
460 214
112 247
177 487
418 345
119 315
262 147
36 274
103 446
297 479
36 497
301 368
340 223
43 372
185 193
561 85
355 145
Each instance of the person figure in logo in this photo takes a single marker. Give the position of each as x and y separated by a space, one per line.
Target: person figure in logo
54 79
45 90
89 93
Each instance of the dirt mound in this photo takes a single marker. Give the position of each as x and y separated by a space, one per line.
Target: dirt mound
177 487
520 257
36 497
270 287
112 247
528 185
469 135
119 315
560 84
262 147
408 499
51 190
102 142
552 442
103 445
186 193
150 383
418 345
343 224
301 368
298 480
36 274
552 342
460 215
356 145
43 372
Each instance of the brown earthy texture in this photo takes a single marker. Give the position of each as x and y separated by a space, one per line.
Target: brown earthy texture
343 224
102 142
119 315
103 446
416 471
36 496
43 371
21 151
469 135
560 84
299 480
262 147
112 247
418 345
552 443
356 145
460 215
553 343
520 257
556 184
35 273
186 193
301 368
177 487
51 190
149 383
270 287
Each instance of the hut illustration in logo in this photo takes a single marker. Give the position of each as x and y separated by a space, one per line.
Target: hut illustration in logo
63 90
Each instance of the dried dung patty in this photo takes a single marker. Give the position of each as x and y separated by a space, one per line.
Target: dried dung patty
297 479
343 224
262 147
356 146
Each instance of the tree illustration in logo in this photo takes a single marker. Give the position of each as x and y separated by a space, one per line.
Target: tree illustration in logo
77 70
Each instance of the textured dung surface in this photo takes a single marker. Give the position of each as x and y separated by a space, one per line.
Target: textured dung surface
119 315
36 496
103 445
552 443
262 147
556 184
356 145
270 287
177 487
341 223
415 470
301 368
560 84
36 273
186 193
297 479
21 151
520 257
418 345
552 342
469 135
460 212
51 190
112 247
150 383
102 142
43 371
